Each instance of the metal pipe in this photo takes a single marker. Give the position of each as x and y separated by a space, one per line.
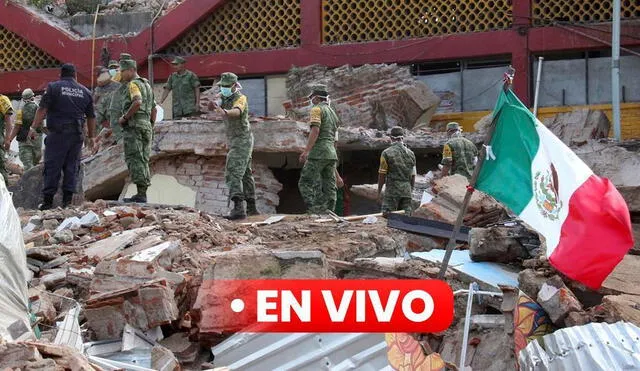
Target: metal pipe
93 47
615 70
467 320
535 100
151 46
487 293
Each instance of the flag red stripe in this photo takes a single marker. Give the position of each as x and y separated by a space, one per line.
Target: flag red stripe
596 234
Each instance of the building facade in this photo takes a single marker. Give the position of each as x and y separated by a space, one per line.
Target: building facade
460 48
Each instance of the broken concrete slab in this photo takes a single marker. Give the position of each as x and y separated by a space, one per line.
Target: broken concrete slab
449 195
104 248
557 300
180 345
498 244
624 279
54 279
163 359
530 282
577 127
622 308
19 355
253 262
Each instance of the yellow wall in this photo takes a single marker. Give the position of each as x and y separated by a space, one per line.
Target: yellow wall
630 117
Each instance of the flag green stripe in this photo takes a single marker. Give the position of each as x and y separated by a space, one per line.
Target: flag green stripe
515 144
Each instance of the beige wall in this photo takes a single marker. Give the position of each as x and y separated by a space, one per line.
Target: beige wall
276 94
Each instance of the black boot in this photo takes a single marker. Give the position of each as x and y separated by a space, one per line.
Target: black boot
251 207
140 197
67 198
47 203
238 211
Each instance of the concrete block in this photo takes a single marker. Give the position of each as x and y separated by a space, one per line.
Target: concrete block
557 300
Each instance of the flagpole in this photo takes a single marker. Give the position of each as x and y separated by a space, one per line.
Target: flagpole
474 178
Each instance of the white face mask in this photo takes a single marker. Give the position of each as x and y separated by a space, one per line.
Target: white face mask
113 73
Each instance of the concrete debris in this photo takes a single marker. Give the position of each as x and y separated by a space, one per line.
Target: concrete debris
557 300
449 193
577 127
502 244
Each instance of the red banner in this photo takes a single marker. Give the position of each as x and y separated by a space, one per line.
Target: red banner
379 306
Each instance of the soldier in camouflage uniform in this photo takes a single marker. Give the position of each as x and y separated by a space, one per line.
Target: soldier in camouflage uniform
115 106
30 149
459 155
138 113
102 98
238 173
398 171
317 183
186 90
6 111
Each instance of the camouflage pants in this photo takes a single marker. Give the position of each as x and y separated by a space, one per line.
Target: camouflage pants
3 168
238 173
30 152
317 185
397 196
137 148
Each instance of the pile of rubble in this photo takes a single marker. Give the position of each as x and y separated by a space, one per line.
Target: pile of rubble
134 275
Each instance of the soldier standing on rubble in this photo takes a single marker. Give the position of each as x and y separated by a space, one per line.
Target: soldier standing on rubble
398 171
238 173
317 183
6 111
30 149
186 90
138 115
459 155
65 104
102 97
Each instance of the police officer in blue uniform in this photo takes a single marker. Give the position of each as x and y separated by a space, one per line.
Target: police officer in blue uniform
66 105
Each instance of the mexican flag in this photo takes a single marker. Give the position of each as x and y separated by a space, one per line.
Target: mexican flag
584 219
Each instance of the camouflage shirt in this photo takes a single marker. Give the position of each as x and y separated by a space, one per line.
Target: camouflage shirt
139 87
398 163
27 115
459 154
103 96
326 119
5 109
238 128
184 95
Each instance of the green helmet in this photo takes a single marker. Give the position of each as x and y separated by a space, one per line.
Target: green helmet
27 94
319 90
397 132
453 126
178 60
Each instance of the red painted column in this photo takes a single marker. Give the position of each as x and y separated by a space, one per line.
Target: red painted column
520 56
310 23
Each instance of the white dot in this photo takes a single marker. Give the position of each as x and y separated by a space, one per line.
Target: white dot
237 305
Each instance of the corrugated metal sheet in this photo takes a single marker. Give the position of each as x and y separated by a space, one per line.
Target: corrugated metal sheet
335 352
596 346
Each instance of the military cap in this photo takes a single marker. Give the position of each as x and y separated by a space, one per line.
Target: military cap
396 131
67 70
125 56
113 64
27 94
178 60
319 90
453 126
127 64
228 79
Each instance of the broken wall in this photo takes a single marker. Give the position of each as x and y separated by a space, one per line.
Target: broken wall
373 96
205 175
